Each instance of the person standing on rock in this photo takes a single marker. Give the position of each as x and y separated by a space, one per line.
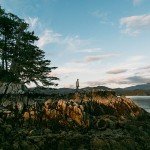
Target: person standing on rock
77 85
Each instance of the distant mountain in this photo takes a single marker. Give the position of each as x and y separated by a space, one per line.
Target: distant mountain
131 88
143 90
139 87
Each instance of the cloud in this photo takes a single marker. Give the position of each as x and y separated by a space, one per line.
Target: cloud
103 16
137 58
48 37
71 86
69 69
132 80
108 82
138 79
98 57
94 83
136 2
89 50
145 68
33 22
65 70
133 62
94 58
77 45
133 25
98 73
116 71
143 71
71 43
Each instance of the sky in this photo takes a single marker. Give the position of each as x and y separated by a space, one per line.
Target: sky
99 42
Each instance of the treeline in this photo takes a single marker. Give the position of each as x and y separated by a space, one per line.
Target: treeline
21 60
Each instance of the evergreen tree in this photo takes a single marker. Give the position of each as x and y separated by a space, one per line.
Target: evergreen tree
21 61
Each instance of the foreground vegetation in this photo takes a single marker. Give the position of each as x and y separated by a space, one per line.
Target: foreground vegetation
82 121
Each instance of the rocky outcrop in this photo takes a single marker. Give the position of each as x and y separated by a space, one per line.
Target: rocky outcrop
91 121
97 109
13 89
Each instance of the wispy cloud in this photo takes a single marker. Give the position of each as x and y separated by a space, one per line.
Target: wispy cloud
98 57
126 81
48 37
89 50
137 58
130 66
137 2
69 86
133 71
133 25
145 67
108 82
117 71
94 83
65 70
95 58
143 71
102 16
33 22
71 43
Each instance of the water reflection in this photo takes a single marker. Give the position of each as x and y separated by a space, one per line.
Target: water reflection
142 101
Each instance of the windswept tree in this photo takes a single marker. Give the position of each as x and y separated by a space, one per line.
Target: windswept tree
21 61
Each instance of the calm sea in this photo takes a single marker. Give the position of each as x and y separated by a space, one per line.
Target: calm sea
142 101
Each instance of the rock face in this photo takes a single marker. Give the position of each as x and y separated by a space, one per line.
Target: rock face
97 109
13 88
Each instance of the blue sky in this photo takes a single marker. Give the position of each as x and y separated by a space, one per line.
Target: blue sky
100 42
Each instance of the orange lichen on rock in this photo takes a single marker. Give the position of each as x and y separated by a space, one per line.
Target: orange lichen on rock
88 108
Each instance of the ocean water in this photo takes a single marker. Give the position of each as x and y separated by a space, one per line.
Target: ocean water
142 101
